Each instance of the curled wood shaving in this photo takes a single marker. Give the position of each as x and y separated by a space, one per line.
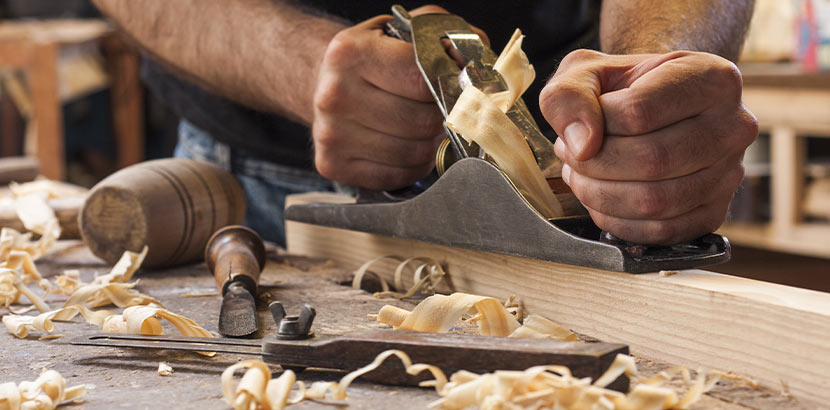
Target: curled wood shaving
145 320
125 268
18 252
20 326
554 387
363 270
48 188
538 327
479 120
69 282
11 239
12 287
427 274
45 393
438 313
257 390
102 294
36 215
516 70
538 387
141 315
482 118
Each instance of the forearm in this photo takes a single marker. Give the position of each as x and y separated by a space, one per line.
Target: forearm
261 53
645 26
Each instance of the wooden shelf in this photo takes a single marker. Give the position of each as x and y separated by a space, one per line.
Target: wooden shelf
35 47
789 105
800 239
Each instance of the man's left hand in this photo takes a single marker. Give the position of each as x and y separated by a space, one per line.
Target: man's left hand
653 144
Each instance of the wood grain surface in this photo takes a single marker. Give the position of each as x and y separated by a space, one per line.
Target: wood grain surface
127 378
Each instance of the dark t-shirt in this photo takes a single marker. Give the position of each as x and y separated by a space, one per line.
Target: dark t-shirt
553 28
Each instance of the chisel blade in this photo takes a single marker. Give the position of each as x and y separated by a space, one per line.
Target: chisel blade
237 317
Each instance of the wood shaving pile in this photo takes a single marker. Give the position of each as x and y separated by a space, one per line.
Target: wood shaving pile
427 274
539 387
482 118
46 393
17 269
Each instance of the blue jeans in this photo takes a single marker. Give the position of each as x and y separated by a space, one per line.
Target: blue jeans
266 184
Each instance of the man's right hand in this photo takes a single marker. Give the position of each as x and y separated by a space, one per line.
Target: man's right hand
376 124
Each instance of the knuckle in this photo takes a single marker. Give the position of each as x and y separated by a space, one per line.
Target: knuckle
636 116
736 177
324 163
652 202
326 139
727 78
556 91
330 97
342 50
578 56
750 127
653 160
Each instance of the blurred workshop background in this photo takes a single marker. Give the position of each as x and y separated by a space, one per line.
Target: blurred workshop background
72 104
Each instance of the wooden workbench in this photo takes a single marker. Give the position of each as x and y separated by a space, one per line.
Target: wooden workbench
118 378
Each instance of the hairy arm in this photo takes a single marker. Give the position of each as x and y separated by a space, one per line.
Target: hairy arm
261 53
645 26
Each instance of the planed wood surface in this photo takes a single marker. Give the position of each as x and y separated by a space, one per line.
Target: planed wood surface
774 333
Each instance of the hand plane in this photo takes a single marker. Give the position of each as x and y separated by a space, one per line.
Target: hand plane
473 204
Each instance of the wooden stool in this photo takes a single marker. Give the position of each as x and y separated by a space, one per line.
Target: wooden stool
34 47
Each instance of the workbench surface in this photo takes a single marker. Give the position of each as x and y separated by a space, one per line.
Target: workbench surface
127 378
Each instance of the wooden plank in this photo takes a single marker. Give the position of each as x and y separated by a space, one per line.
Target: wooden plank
771 332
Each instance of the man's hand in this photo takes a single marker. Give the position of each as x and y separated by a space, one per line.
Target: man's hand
653 144
376 125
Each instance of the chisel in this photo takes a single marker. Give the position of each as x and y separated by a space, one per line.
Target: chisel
236 255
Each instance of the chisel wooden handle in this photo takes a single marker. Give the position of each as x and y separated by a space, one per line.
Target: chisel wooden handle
235 253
